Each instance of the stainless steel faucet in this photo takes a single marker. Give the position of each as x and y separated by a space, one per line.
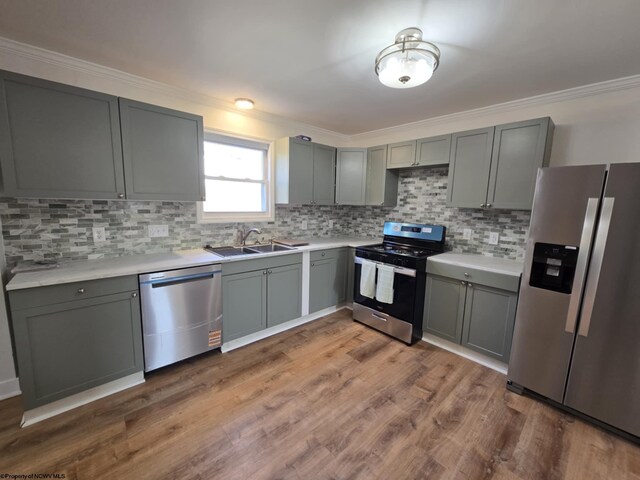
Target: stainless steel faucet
244 234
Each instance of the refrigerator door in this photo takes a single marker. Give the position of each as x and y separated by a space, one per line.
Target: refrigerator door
604 380
564 213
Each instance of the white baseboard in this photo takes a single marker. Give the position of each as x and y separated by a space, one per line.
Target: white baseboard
254 337
49 410
9 388
472 355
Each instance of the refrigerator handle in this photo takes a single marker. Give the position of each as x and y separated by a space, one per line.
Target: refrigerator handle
581 265
596 265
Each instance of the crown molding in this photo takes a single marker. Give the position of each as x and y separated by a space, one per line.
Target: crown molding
41 55
593 89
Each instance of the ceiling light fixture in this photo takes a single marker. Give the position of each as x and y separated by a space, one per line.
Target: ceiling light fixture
244 103
409 62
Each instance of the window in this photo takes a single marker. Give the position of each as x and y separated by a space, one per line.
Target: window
237 180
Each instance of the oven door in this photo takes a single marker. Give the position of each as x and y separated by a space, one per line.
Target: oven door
404 293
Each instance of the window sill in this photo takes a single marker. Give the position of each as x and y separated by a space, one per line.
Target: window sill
206 217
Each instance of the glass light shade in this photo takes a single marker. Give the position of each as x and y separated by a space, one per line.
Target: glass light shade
244 103
409 62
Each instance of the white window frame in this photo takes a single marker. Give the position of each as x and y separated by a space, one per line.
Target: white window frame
233 217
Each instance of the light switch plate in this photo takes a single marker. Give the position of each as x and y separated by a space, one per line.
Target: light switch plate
330 224
467 233
99 235
494 237
303 225
158 231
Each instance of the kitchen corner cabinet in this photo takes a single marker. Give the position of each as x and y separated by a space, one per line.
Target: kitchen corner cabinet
260 293
58 141
73 337
327 278
305 172
382 184
162 152
471 307
496 167
351 176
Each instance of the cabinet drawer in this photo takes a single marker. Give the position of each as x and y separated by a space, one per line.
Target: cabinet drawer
39 296
474 275
324 254
262 263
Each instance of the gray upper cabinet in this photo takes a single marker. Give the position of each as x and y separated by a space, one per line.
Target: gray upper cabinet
519 149
433 151
58 141
351 172
162 152
496 167
401 154
382 184
76 336
305 172
469 168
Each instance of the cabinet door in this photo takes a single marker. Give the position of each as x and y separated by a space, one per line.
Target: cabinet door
163 153
58 141
70 347
444 307
382 184
300 172
519 149
340 282
322 284
401 154
351 257
324 174
244 304
434 150
488 320
469 168
351 170
284 294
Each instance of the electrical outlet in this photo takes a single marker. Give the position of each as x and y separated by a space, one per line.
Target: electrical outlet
467 233
99 235
303 225
158 231
494 237
330 224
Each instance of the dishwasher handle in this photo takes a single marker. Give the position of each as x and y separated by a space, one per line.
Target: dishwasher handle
166 282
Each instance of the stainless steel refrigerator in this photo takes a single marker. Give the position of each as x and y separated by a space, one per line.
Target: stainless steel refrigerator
577 333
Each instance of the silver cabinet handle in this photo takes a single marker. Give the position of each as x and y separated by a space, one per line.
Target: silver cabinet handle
482 205
470 285
595 266
121 195
466 274
264 272
463 283
269 271
581 265
134 294
81 290
203 198
313 264
322 254
488 205
381 204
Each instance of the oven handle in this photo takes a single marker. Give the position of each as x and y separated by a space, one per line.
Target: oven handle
409 272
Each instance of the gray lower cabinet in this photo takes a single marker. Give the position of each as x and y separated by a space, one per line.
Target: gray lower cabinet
58 141
305 172
351 257
471 307
351 176
327 278
401 154
73 337
260 293
162 151
382 184
496 167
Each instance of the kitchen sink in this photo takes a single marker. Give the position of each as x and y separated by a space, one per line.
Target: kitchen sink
269 248
229 251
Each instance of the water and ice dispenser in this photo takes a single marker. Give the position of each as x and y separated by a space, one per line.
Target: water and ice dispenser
553 267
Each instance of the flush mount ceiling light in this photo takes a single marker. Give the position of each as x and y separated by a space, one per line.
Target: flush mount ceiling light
244 103
409 62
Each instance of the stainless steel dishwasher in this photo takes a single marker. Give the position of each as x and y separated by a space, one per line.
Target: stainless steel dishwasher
181 314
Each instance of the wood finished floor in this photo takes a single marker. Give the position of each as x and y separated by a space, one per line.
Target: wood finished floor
330 399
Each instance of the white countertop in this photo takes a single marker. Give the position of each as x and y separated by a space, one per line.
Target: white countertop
83 270
480 262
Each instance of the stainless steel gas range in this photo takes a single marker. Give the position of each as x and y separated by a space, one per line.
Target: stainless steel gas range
389 279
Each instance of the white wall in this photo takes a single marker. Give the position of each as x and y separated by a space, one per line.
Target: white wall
601 127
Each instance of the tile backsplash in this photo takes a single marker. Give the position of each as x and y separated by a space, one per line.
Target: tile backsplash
36 229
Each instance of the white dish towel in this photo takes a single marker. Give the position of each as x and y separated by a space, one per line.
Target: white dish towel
368 279
384 288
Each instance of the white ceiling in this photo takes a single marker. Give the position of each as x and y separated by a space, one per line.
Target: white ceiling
312 60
